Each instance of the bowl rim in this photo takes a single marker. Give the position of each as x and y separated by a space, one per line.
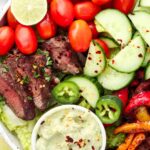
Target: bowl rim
62 107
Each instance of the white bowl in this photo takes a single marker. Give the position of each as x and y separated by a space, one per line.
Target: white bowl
4 6
63 107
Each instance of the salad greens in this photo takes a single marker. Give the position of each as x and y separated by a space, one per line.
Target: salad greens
22 129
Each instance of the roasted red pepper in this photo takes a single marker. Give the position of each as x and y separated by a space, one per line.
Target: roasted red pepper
123 95
141 99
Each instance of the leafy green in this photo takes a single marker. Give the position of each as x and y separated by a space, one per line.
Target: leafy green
113 140
22 129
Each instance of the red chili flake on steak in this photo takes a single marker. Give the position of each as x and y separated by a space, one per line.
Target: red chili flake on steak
93 148
69 139
100 60
98 52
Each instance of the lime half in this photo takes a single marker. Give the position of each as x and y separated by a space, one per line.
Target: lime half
29 12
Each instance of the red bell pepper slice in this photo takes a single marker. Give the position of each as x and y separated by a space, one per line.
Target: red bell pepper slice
123 95
141 99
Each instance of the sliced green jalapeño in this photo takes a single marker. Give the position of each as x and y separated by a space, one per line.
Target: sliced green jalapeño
109 109
66 92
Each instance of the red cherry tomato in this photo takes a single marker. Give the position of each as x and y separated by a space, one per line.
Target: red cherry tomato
26 40
80 35
104 46
86 10
126 6
11 19
7 39
62 12
123 95
93 29
107 5
101 2
46 28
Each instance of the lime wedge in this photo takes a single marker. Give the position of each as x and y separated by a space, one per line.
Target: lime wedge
29 12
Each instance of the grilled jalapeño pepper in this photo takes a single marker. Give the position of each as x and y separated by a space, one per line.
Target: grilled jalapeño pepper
108 109
66 92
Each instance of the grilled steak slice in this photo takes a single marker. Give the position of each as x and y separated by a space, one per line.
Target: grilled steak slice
30 67
64 59
15 96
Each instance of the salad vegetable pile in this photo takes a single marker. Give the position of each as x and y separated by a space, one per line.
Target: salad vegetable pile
95 54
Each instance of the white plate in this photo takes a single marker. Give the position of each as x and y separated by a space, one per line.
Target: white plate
4 5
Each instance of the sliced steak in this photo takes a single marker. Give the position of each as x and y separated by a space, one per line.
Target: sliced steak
30 67
15 96
64 58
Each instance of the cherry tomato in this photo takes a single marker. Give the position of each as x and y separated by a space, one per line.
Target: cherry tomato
11 19
46 28
93 29
126 6
26 40
7 39
107 5
101 2
86 10
104 46
62 12
49 1
123 95
80 35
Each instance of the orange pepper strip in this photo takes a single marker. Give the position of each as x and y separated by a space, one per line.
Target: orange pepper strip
133 127
138 139
142 114
125 145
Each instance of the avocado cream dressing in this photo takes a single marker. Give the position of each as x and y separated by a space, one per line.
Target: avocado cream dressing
69 129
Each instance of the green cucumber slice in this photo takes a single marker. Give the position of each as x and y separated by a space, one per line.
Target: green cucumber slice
88 89
96 60
147 72
99 27
145 3
147 58
141 21
130 58
116 24
113 80
111 43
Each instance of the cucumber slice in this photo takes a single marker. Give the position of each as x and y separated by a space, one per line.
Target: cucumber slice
147 58
96 60
146 9
145 3
130 58
147 72
114 52
99 27
89 91
111 43
116 24
141 21
113 80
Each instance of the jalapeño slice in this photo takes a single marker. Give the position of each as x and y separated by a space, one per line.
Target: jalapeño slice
109 109
66 92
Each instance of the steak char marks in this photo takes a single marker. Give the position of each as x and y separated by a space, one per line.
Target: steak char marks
23 84
26 81
64 58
